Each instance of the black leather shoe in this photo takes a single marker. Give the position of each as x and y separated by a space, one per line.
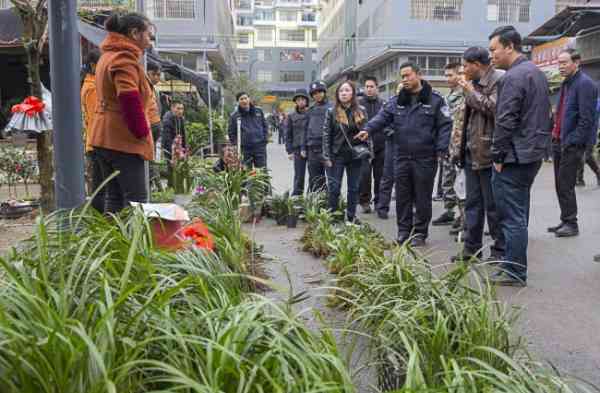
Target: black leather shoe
445 219
382 214
507 280
465 257
417 242
366 208
438 198
556 228
567 230
400 241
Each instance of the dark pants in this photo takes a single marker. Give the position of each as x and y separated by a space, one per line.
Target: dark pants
316 170
255 156
590 160
130 183
371 170
280 135
479 204
299 173
566 162
448 174
414 185
96 179
341 162
386 184
512 192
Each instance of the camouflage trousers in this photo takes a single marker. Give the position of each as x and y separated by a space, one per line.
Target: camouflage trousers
449 173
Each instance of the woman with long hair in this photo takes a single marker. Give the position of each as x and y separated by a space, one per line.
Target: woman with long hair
121 135
342 151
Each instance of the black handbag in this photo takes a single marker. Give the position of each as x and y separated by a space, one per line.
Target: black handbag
360 151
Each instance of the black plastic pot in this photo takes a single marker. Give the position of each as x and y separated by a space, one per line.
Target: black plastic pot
292 221
281 220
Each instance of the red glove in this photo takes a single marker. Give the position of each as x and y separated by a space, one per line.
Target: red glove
133 113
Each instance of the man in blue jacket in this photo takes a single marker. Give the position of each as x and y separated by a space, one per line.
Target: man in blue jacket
519 144
254 131
421 123
574 129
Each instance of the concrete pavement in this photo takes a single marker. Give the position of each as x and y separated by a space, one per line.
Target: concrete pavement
561 306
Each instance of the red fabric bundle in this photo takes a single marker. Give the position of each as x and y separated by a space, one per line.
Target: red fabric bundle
31 106
133 113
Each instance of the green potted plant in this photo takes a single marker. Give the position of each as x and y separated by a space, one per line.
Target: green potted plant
279 208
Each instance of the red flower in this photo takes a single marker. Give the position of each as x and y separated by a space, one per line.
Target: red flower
200 235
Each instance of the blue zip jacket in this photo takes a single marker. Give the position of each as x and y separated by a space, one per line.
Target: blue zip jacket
419 131
254 127
579 124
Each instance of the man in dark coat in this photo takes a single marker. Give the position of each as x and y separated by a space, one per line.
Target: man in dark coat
420 119
314 136
372 170
519 144
254 131
294 140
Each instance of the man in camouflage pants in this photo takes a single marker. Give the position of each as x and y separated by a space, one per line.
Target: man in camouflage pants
455 99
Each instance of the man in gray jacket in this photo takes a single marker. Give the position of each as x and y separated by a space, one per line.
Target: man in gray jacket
520 141
295 129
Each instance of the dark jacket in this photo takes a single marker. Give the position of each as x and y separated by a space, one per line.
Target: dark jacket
373 106
172 125
295 131
579 124
314 129
420 131
480 114
523 123
333 133
254 127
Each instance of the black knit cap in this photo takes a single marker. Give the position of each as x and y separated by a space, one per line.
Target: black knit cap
241 93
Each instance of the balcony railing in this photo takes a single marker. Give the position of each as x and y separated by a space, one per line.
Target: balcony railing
129 4
4 4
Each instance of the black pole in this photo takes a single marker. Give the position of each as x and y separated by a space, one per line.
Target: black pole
66 105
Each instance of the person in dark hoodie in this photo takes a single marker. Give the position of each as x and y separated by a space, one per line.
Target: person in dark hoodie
421 122
314 136
372 170
294 140
253 129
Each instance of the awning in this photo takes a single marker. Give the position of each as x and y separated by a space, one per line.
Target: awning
96 35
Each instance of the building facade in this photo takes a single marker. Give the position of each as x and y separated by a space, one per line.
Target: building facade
374 37
277 44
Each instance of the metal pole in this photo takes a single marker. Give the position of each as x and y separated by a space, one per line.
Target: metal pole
210 119
140 9
66 108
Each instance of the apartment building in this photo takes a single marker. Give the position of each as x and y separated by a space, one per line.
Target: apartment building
277 44
374 37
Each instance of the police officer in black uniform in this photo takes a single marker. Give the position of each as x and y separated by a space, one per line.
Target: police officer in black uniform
421 123
254 131
295 130
314 136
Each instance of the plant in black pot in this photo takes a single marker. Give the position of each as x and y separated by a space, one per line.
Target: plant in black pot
292 212
279 208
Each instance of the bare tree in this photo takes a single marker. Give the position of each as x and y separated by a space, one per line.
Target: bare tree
34 15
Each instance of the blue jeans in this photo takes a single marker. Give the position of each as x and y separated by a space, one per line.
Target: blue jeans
341 162
512 192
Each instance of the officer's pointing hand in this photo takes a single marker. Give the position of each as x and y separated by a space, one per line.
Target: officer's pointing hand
362 136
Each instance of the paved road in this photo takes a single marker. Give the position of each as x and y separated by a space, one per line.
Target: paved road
561 305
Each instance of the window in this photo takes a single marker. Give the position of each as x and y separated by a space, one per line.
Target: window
309 17
288 16
292 76
263 15
243 20
264 34
291 35
264 76
315 56
174 9
243 4
291 55
433 65
313 35
264 55
438 10
508 11
243 38
242 56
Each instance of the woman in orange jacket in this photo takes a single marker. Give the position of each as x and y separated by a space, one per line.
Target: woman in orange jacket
121 135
